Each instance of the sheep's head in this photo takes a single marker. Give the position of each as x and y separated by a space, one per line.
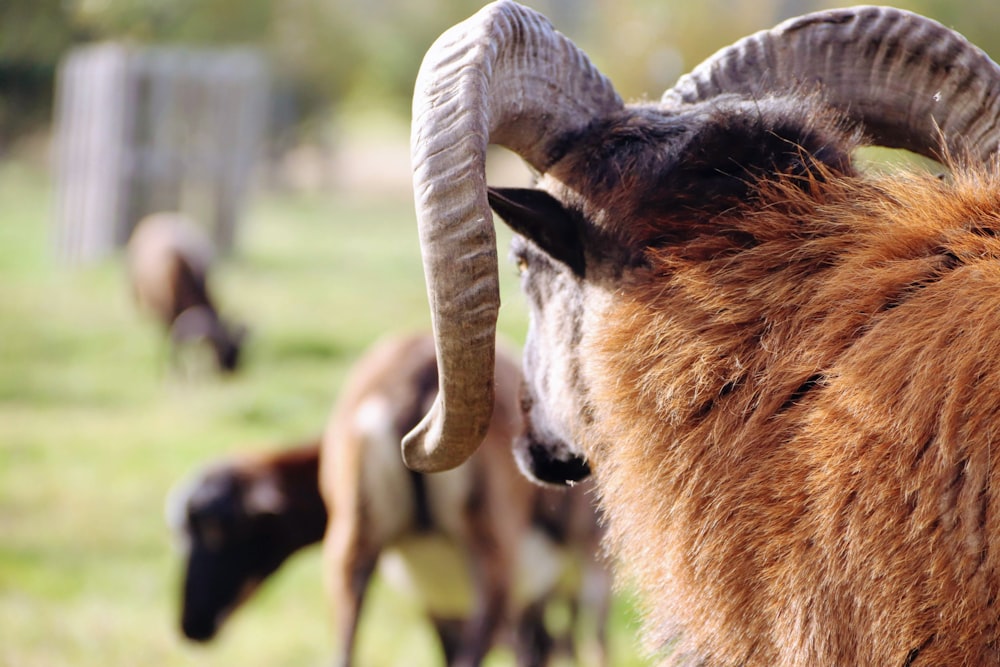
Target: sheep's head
226 522
616 180
202 324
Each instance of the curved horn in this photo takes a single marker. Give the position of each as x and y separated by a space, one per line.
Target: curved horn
907 79
503 76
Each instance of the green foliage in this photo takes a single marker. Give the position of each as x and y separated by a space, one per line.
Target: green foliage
94 431
326 54
33 36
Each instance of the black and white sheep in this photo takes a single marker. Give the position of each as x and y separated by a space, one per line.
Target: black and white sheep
240 517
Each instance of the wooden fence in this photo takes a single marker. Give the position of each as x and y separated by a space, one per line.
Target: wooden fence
145 130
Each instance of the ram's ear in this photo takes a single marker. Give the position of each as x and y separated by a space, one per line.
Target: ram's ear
540 217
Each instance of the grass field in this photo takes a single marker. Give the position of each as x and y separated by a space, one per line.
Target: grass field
94 431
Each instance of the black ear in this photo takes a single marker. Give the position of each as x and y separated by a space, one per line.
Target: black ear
540 217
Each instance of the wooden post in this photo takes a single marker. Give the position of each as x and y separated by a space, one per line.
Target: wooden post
90 134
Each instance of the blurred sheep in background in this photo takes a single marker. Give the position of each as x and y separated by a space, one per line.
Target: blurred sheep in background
487 554
169 259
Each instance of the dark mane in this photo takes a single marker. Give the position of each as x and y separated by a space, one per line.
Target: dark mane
658 177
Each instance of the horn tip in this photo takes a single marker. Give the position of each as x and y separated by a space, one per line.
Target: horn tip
415 450
421 447
428 448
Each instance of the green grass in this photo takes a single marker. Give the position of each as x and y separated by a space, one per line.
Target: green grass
94 431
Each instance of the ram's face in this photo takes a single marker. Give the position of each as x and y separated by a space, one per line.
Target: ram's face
553 398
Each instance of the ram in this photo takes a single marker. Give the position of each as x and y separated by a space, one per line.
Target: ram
169 259
780 369
515 540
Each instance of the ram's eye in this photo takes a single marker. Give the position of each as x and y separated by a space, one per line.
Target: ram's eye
522 264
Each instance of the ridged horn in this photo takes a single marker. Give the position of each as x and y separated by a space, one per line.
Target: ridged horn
908 80
504 76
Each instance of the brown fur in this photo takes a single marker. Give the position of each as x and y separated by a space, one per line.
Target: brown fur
485 506
807 422
239 518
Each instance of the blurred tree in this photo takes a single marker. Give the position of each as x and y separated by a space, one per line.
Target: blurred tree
197 22
644 45
315 48
33 36
312 44
327 53
394 36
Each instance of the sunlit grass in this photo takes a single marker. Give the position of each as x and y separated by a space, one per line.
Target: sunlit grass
94 430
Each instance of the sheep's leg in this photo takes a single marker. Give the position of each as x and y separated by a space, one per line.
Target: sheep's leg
347 591
491 596
566 643
480 629
533 643
450 633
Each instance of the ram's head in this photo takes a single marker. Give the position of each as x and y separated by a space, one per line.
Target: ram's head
617 180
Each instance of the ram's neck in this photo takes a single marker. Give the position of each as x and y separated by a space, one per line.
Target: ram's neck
744 390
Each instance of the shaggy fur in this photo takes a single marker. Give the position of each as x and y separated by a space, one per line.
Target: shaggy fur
812 395
783 375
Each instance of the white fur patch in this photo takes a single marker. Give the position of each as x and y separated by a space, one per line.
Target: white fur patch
386 481
434 571
264 497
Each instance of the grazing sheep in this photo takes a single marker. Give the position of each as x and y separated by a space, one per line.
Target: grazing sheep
781 370
513 537
168 263
240 517
238 520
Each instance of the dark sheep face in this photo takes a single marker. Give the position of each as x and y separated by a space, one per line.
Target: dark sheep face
231 547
